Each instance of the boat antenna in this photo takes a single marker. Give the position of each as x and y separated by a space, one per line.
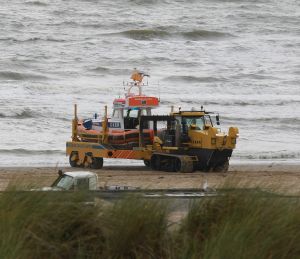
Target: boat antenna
158 91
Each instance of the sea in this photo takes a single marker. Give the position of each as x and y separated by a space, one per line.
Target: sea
239 58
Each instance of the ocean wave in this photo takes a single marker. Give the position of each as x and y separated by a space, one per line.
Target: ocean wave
63 23
64 119
251 103
10 75
21 151
158 33
256 76
18 40
99 69
231 103
31 39
204 34
24 114
78 23
7 39
53 39
92 25
36 3
31 114
110 71
192 79
145 34
273 120
42 39
146 2
270 155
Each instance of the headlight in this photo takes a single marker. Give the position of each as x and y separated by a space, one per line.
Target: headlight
233 141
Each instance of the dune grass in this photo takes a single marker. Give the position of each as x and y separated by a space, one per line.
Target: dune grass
234 225
241 225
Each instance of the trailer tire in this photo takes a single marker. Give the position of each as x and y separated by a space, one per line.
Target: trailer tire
155 162
97 163
223 168
187 167
177 165
147 163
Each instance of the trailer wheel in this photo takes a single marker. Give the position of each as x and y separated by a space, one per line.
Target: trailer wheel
97 163
187 167
223 168
147 163
73 159
155 162
177 165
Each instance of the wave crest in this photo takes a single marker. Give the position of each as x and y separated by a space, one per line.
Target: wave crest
36 3
146 34
158 33
226 102
22 151
251 102
10 75
271 155
204 34
192 79
273 120
100 69
24 114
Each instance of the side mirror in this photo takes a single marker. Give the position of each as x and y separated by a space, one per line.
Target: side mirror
60 172
218 119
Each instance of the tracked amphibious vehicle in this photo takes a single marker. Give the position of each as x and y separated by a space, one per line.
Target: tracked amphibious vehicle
189 140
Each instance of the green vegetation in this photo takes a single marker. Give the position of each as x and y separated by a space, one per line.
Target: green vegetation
234 225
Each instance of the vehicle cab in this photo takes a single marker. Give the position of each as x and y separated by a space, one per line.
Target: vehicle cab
198 130
75 181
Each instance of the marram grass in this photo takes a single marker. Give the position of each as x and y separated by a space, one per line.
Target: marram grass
234 225
241 225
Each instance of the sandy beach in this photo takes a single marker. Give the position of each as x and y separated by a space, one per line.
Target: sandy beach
279 177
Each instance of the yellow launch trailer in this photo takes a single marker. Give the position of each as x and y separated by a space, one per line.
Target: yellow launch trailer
189 142
91 154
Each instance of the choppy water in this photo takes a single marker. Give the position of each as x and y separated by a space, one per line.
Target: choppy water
240 58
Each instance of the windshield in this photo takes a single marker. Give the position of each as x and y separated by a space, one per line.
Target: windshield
196 122
208 121
65 182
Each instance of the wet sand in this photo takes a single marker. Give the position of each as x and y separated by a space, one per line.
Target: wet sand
279 177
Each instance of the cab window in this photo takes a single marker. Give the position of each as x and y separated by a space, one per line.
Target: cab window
196 122
207 120
83 183
65 182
